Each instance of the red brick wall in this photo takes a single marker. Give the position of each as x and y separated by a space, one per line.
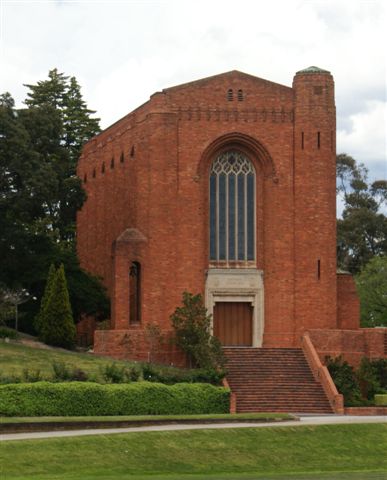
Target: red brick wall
348 303
161 189
85 331
351 344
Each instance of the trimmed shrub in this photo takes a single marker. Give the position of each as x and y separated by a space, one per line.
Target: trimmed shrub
381 400
141 398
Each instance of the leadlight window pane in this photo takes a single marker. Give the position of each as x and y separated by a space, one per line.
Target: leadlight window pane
241 217
213 217
250 216
232 208
231 217
222 216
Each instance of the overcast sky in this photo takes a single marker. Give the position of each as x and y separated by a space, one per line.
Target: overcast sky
123 51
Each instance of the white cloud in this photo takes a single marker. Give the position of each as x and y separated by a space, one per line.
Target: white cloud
123 51
367 139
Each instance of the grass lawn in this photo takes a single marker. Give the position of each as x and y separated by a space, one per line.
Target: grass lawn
204 454
16 357
128 418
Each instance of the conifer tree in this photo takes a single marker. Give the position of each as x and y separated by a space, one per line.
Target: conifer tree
58 326
63 94
46 296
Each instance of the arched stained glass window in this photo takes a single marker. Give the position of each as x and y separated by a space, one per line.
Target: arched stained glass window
232 208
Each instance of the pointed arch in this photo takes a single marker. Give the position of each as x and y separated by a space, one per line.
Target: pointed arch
245 143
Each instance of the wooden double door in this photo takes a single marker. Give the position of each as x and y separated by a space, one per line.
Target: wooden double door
233 323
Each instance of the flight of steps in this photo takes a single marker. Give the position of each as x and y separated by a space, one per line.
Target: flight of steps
274 380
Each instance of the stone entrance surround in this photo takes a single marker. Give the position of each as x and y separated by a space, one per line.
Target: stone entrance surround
238 285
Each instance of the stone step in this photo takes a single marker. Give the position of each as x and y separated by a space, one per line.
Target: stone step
270 379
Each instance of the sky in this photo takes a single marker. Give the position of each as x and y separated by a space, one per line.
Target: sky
121 52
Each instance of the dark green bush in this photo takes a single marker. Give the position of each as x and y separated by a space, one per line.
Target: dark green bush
358 387
141 398
371 376
380 366
191 323
6 332
113 373
345 380
64 373
31 376
154 373
6 378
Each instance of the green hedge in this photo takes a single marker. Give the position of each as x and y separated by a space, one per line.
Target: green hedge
381 400
140 398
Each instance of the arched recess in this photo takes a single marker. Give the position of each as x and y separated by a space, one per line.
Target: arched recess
246 144
235 284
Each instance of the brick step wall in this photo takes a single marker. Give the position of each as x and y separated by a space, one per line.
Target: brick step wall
274 379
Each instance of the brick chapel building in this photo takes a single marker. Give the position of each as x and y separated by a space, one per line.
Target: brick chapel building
223 186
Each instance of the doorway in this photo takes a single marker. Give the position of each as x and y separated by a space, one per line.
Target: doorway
233 323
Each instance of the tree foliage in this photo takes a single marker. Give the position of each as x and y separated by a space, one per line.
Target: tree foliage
192 333
371 285
362 231
56 322
40 193
45 298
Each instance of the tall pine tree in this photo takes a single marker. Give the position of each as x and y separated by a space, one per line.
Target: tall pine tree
38 321
57 323
64 95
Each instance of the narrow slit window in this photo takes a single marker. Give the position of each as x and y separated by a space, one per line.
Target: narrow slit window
112 163
302 140
122 157
132 151
103 167
135 293
318 140
318 269
94 173
85 178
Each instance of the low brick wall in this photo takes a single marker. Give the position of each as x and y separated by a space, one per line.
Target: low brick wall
365 411
321 375
351 344
132 344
